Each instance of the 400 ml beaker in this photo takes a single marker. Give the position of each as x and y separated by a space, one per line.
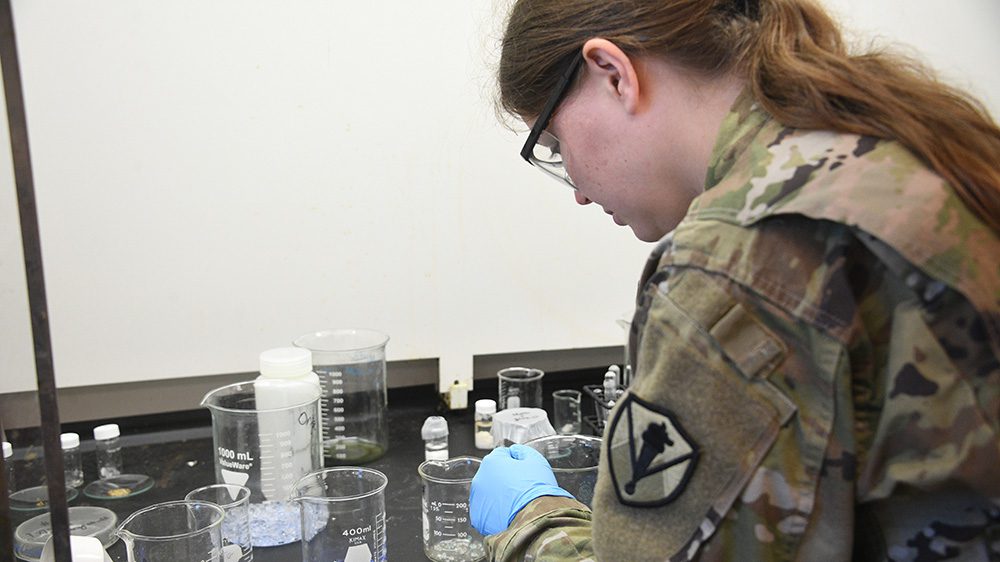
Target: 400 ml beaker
266 437
574 460
351 368
343 515
448 532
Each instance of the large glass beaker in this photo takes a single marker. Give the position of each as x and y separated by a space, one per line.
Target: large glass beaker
266 437
447 530
351 368
343 515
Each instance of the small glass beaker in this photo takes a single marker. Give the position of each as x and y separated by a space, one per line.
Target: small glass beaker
266 437
566 411
235 501
351 368
520 387
448 532
342 514
172 531
574 460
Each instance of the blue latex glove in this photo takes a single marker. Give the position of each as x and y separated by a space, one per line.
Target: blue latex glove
507 480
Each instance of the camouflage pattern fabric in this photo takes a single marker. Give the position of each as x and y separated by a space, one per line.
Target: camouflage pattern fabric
816 376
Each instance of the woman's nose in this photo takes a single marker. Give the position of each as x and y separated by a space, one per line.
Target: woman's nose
580 199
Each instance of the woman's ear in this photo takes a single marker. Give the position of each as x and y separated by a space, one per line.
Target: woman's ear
615 71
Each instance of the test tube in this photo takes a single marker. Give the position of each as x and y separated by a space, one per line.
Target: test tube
8 461
72 459
109 450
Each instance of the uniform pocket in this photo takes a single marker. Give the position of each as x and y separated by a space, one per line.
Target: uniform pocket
696 423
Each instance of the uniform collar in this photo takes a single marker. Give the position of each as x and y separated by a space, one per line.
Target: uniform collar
743 122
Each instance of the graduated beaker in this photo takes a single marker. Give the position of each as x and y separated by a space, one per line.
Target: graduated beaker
235 502
342 515
266 437
351 368
172 531
519 387
574 460
448 533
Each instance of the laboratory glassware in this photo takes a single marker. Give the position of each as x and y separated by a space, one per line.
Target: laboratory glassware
447 531
31 536
343 514
72 459
266 436
566 411
111 483
235 501
574 460
520 387
172 531
351 368
435 435
36 498
520 425
483 425
8 462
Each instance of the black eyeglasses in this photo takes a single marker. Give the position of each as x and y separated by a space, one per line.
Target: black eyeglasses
542 147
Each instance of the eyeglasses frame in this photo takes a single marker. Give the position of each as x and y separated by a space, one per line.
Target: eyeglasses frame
560 91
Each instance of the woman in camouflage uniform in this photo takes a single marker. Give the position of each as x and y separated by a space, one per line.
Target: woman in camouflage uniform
816 335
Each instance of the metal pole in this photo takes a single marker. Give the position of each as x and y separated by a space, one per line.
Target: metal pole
6 522
47 403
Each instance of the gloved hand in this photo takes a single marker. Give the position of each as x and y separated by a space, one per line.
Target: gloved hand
507 480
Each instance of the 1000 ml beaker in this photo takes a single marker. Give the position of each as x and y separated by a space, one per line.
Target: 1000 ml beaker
172 531
574 460
448 533
266 437
351 368
343 515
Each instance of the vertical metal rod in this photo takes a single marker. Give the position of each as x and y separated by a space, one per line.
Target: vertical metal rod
30 240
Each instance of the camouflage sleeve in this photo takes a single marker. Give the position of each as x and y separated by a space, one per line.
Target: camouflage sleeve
547 529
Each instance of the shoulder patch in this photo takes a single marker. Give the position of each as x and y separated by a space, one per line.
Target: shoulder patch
650 455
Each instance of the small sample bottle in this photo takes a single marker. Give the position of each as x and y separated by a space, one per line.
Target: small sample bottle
72 459
109 450
435 436
484 423
8 461
610 388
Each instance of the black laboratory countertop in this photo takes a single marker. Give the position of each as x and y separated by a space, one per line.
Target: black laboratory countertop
176 450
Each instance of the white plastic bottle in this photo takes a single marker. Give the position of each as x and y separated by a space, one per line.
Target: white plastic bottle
484 423
8 461
282 364
109 450
435 435
72 459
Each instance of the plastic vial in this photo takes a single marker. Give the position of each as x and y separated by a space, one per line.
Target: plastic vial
72 459
435 436
8 461
484 423
109 450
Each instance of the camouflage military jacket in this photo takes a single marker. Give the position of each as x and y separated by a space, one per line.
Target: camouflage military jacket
815 349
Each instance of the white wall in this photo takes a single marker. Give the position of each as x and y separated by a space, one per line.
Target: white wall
215 178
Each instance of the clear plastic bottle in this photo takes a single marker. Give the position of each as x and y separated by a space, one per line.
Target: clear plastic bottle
109 450
8 461
435 435
484 423
72 459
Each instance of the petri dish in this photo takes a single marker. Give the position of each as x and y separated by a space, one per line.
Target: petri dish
118 487
84 521
36 498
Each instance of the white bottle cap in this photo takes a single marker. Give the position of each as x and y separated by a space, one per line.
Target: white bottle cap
285 362
106 431
69 440
8 450
435 427
486 406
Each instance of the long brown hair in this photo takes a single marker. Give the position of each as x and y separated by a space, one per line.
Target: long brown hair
794 59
